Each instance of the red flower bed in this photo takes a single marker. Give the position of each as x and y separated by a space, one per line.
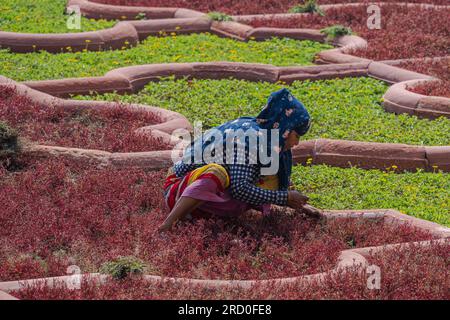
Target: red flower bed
439 69
110 130
405 32
414 273
237 7
55 213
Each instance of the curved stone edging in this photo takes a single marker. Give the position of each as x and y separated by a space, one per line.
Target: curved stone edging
134 78
123 34
169 122
322 151
405 102
128 33
248 18
6 296
351 258
341 153
372 155
399 99
94 10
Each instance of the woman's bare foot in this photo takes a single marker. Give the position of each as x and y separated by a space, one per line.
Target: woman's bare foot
312 211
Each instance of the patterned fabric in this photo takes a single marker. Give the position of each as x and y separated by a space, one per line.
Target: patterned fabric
175 186
243 184
284 113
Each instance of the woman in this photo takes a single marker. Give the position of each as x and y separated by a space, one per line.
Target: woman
235 185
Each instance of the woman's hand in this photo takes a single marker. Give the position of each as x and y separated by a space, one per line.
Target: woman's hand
296 200
165 227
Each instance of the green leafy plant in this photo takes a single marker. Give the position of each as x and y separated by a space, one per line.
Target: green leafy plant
335 31
310 6
141 16
8 141
219 16
123 267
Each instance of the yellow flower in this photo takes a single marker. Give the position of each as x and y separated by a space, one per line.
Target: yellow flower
394 166
177 28
126 42
87 41
173 34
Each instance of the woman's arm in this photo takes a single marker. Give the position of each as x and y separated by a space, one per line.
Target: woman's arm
242 187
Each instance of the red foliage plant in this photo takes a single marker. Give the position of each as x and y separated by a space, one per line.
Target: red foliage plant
413 272
237 7
110 130
56 212
405 32
437 68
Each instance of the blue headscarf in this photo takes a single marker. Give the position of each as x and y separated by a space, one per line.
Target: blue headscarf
283 112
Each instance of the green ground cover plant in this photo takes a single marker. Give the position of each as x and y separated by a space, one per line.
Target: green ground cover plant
335 31
347 108
43 16
173 48
310 6
219 16
123 267
420 194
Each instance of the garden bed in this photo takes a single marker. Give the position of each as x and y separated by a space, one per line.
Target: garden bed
420 194
43 16
237 7
112 129
422 278
175 48
57 213
439 69
341 108
405 32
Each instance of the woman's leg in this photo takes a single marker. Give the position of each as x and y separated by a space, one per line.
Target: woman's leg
183 207
312 211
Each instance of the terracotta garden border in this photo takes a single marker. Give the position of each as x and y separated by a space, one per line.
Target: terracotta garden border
151 160
166 20
347 258
341 153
